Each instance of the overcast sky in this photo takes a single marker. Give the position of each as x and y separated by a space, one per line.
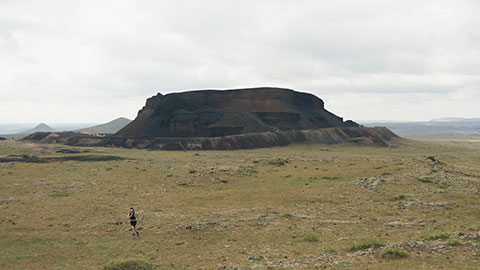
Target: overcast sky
92 61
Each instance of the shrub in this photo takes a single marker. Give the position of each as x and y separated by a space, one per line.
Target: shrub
399 197
129 265
435 236
192 171
393 253
424 180
453 242
277 162
310 238
331 251
366 245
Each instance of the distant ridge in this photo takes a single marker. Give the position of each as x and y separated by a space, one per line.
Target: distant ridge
445 127
111 127
42 127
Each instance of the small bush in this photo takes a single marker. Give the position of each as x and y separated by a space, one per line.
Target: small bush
386 173
366 245
453 242
330 177
399 197
424 180
129 265
443 185
192 171
255 161
331 251
310 238
393 253
109 169
435 236
277 162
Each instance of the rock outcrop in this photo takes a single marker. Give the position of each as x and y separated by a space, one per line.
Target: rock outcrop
379 136
213 113
229 120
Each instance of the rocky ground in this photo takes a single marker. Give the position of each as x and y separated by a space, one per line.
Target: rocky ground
412 205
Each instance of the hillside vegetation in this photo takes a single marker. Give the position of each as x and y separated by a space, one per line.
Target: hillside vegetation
412 205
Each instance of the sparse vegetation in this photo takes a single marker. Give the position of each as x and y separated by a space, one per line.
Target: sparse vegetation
393 253
366 244
129 265
69 213
310 238
453 242
59 194
435 236
277 162
424 180
399 197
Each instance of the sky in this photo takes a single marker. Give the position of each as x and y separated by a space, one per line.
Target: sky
82 61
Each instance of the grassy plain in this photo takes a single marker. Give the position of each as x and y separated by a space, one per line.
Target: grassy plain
305 206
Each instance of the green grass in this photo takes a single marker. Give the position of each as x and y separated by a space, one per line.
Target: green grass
424 180
454 242
435 236
366 244
393 253
311 238
399 197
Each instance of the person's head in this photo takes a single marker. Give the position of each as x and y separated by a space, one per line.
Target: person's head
131 210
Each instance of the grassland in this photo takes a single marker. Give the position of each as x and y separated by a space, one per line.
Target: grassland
296 207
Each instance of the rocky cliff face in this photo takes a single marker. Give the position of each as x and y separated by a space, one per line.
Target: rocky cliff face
211 113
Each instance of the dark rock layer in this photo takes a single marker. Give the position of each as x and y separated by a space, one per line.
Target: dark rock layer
212 113
358 135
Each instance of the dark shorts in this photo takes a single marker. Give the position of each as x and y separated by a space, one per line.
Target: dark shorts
133 223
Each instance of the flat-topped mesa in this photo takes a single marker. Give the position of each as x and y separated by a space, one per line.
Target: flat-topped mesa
213 113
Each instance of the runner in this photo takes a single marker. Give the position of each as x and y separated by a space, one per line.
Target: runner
133 221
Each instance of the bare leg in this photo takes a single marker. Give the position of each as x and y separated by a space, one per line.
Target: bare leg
134 230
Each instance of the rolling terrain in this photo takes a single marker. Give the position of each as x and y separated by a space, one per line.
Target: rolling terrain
440 129
110 127
412 205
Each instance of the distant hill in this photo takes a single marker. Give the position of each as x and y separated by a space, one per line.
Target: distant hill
42 127
438 128
110 127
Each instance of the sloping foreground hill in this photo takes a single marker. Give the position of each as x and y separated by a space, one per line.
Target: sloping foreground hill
363 135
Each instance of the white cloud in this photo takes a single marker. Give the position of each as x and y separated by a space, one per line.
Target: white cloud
402 60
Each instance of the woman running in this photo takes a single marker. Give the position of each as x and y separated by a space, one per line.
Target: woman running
133 221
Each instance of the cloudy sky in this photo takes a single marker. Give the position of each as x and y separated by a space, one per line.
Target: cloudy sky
92 61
